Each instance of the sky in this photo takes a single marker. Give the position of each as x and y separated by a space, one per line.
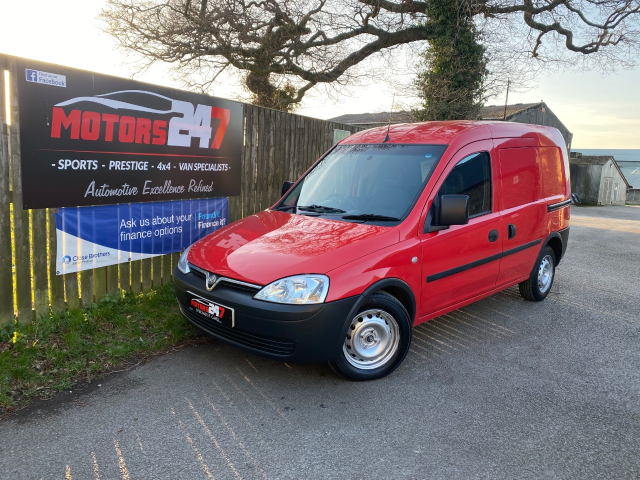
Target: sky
601 111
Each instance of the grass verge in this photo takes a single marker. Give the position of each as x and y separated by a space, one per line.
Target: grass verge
59 351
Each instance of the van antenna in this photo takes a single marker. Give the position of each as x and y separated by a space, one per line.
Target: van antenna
386 138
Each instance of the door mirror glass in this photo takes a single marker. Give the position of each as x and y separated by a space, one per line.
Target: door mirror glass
453 210
285 187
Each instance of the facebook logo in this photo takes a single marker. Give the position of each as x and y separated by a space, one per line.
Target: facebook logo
32 76
46 78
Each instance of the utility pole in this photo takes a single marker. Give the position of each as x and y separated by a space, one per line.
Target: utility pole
506 100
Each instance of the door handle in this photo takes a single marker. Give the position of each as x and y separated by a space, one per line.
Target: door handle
512 231
493 235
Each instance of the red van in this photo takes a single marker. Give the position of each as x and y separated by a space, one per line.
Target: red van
390 228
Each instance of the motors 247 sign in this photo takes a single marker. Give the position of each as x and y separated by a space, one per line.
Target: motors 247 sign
89 139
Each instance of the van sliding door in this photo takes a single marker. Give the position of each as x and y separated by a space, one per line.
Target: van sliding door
524 213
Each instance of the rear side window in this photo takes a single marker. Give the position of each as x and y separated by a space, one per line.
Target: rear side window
520 171
471 176
553 180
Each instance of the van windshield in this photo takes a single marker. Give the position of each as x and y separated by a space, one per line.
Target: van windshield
369 183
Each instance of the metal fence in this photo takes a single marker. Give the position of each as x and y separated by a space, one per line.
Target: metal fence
278 146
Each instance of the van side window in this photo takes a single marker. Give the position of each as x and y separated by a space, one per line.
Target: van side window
471 176
553 178
520 176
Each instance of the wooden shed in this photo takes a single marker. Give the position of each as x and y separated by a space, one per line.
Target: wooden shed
532 113
597 180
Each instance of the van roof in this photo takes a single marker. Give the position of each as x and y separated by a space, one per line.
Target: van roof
446 133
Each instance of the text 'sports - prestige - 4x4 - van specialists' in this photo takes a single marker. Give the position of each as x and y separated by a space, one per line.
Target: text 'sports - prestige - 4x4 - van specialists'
390 228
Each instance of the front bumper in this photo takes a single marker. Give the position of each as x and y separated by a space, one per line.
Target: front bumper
297 333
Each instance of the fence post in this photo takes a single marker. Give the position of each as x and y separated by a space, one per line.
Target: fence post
100 282
262 164
166 269
125 277
56 281
71 290
156 272
6 262
175 257
86 287
146 275
245 185
135 268
40 273
20 216
271 156
112 280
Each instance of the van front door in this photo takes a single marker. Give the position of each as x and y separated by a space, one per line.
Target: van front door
462 261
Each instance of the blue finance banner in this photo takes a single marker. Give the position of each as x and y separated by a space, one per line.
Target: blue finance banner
91 237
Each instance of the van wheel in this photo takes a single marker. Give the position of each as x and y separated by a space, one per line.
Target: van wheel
377 340
538 286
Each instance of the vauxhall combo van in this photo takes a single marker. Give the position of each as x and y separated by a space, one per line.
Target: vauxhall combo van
390 228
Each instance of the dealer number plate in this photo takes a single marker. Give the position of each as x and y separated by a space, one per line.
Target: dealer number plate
211 310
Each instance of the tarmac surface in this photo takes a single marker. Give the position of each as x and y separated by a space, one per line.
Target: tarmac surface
503 388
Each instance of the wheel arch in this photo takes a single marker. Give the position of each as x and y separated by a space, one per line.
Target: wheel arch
379 293
396 288
557 242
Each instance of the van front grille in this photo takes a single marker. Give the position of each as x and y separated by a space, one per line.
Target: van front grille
227 282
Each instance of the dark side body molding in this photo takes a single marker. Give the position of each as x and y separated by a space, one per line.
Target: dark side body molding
482 261
559 205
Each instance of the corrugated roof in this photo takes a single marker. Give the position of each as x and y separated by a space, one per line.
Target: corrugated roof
496 112
491 112
631 173
628 163
372 118
591 160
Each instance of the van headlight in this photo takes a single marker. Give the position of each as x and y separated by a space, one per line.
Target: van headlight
183 265
299 289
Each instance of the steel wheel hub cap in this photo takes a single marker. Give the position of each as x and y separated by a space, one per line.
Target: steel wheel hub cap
372 339
545 274
369 338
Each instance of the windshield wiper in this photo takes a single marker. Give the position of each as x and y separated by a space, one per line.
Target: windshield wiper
285 207
320 209
371 216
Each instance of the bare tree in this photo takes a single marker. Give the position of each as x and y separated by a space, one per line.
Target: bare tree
283 48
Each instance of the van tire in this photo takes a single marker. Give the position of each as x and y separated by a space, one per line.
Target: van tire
385 323
539 283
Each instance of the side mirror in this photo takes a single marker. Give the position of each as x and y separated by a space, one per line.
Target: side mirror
453 210
285 187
